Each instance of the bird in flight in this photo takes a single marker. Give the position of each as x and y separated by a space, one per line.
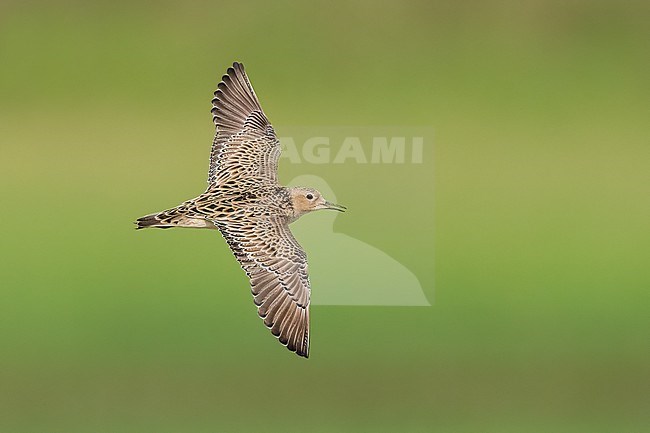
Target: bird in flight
245 202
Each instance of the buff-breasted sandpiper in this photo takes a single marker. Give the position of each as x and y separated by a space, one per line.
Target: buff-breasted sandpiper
252 211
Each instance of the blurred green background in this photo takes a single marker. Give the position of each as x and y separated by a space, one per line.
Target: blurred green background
534 237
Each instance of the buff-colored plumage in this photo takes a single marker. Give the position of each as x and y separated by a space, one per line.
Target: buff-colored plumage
252 211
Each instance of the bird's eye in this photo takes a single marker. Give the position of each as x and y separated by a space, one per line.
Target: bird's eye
309 196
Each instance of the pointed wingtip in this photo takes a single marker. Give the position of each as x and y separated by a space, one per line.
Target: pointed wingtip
233 73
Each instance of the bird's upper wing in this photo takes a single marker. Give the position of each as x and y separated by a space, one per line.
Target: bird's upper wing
277 268
245 148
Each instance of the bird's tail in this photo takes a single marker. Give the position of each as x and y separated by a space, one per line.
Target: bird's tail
152 220
176 217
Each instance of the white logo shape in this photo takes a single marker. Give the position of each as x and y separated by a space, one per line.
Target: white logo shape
346 271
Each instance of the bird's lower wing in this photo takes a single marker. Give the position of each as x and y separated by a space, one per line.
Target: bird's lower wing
277 268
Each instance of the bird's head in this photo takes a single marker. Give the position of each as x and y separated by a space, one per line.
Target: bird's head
308 199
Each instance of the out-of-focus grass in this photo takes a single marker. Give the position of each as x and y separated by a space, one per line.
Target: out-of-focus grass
535 240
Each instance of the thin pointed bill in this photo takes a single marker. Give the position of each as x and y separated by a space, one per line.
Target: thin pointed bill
334 206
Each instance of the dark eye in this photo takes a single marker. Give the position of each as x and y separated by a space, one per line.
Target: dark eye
309 196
